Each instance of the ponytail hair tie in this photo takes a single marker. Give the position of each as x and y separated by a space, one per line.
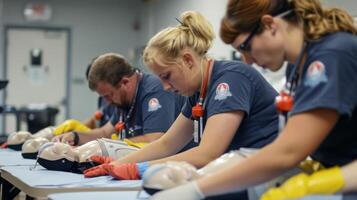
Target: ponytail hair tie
179 21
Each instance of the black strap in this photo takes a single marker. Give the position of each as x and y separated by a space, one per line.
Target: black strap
76 138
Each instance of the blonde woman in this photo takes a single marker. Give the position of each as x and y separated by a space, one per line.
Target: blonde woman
232 102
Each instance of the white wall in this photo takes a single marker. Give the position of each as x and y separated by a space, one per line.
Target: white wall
162 13
349 5
97 26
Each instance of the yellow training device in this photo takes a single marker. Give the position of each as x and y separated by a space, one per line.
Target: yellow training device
135 144
327 181
140 145
70 125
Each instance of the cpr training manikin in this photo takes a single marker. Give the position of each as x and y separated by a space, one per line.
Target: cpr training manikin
30 143
16 139
167 175
63 157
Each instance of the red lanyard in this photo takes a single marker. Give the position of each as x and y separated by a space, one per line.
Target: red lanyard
98 115
284 102
198 110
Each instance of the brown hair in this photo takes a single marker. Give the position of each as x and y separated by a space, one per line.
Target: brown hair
110 68
243 15
193 32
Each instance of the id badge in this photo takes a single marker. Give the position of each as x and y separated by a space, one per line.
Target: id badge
281 122
195 132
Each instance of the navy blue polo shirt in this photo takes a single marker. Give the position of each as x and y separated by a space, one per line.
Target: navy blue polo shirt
107 109
154 110
235 86
329 81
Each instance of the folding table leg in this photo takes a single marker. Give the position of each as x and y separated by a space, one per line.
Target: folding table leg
9 192
29 198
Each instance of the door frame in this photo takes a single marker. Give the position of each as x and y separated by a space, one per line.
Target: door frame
9 27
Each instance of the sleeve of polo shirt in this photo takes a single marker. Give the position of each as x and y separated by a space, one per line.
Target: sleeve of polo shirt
329 82
231 92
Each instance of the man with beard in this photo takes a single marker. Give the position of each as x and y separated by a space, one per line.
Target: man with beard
144 110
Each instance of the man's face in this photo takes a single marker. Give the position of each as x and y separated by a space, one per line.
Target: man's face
116 95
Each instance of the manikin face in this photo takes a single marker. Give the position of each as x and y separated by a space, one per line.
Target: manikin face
114 95
56 151
87 150
45 133
178 78
18 137
33 145
168 175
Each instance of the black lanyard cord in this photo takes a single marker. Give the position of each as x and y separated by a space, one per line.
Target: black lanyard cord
132 106
294 76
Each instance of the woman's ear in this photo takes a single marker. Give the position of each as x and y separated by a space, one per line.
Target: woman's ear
188 59
269 23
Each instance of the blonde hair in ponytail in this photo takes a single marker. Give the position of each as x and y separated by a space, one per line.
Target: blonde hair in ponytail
193 32
318 21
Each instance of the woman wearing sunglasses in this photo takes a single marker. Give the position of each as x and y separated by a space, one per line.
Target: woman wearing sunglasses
318 103
232 102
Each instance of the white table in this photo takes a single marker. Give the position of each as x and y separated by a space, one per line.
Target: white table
9 157
41 182
131 195
127 195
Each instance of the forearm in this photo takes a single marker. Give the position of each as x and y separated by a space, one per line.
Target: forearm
90 123
170 143
194 156
259 168
349 172
155 150
92 135
149 137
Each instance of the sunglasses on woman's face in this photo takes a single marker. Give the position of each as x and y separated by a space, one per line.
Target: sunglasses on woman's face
246 45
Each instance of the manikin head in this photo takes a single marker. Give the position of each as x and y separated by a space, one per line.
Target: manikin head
17 139
31 147
57 156
168 175
63 157
45 133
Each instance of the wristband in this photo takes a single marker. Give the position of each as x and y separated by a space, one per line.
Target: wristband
142 167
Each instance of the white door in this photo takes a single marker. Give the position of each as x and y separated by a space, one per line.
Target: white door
36 66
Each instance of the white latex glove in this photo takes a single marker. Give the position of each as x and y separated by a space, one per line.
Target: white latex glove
189 191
